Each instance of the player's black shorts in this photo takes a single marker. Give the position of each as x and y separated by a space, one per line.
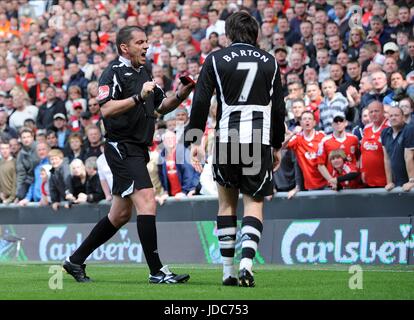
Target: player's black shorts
247 167
128 164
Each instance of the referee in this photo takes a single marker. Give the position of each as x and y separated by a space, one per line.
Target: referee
128 98
250 129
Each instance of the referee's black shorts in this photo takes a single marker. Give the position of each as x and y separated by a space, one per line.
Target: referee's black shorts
128 164
247 167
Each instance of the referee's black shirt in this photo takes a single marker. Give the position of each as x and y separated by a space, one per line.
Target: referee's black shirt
120 80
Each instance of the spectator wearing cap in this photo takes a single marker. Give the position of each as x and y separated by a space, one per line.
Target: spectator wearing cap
397 140
332 103
62 131
52 106
6 132
23 109
391 50
94 141
26 161
339 139
408 63
74 120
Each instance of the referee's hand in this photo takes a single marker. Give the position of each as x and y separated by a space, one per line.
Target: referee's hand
197 157
147 88
277 157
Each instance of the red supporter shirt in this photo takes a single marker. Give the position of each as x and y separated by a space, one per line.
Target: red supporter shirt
314 107
348 167
173 180
349 144
372 156
306 152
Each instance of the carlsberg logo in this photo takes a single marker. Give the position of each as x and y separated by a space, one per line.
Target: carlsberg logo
360 251
53 247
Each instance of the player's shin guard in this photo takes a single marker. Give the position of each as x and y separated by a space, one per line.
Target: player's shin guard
251 232
226 231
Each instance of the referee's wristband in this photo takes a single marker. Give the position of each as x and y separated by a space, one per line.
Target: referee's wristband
178 97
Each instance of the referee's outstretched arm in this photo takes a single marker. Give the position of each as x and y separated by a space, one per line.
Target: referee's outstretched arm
117 107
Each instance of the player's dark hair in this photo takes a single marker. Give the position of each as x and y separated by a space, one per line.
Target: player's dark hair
125 35
242 27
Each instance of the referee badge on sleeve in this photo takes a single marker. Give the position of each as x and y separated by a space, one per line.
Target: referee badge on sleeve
103 92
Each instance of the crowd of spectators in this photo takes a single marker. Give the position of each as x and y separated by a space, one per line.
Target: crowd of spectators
347 71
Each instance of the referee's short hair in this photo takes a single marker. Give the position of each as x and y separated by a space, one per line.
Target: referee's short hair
125 35
242 27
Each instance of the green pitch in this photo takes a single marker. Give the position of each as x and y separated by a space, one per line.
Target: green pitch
31 281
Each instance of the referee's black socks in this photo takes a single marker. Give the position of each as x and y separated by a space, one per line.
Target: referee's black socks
251 233
226 232
147 232
102 232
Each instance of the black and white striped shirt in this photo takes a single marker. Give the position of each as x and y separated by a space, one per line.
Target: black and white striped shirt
249 95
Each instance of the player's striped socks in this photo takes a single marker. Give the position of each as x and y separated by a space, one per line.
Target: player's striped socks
226 232
250 236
